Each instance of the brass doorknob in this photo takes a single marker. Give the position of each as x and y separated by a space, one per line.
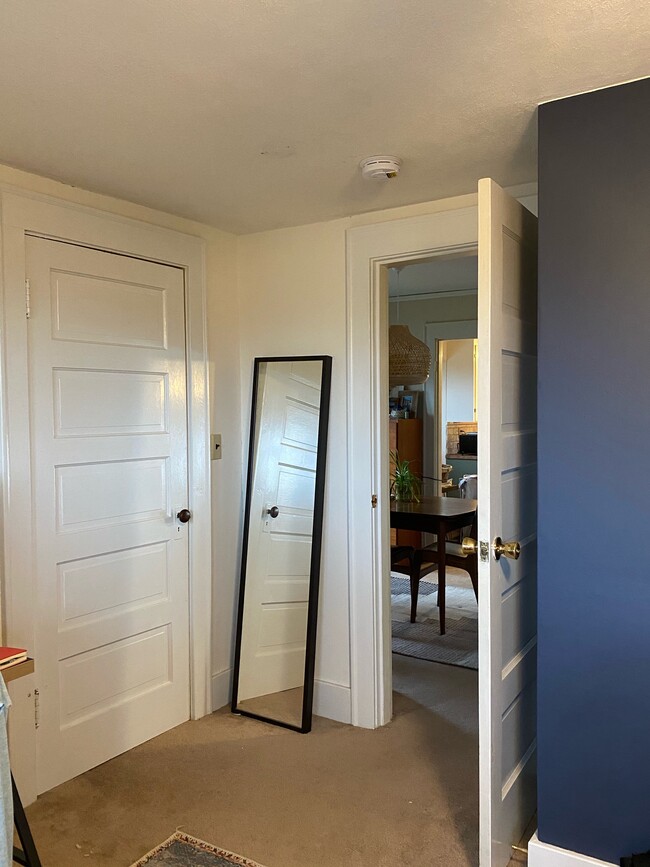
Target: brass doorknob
511 550
469 546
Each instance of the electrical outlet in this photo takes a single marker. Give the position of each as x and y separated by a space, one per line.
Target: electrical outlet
215 447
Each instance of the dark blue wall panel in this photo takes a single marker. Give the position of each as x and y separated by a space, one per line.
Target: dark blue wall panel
594 472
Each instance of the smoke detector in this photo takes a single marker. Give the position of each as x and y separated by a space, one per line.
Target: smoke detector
381 168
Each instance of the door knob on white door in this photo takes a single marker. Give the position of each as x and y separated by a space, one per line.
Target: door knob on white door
469 546
184 516
273 511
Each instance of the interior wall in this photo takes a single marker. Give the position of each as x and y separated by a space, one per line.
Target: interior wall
272 293
223 348
292 297
594 587
292 292
416 314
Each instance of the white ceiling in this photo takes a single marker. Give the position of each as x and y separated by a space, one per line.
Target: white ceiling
458 274
252 114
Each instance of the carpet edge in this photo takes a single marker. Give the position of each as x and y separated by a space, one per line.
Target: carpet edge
208 847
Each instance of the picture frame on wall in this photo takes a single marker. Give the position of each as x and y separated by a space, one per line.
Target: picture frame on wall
410 401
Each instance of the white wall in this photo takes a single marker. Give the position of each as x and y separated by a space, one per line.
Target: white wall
292 302
223 341
292 292
273 293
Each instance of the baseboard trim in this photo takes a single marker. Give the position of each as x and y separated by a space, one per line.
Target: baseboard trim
221 688
333 701
544 855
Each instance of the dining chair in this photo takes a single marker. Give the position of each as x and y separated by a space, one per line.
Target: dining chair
425 561
399 553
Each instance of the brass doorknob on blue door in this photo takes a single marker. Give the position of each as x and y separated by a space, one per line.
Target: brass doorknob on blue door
273 511
184 516
511 550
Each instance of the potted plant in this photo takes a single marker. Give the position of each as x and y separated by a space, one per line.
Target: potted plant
405 485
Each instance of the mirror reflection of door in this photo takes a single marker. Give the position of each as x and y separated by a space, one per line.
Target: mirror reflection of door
279 546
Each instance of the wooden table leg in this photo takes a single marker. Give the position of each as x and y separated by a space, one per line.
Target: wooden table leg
442 561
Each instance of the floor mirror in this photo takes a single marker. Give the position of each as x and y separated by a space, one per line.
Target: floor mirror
278 600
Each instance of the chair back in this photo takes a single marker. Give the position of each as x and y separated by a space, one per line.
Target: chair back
468 487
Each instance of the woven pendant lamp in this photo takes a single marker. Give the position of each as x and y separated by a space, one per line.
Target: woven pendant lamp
409 359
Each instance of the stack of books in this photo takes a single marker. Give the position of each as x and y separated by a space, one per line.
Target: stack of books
11 656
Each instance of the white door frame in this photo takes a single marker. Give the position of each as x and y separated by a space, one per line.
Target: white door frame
370 249
43 216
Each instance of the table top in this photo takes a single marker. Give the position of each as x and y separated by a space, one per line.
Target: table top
435 507
18 669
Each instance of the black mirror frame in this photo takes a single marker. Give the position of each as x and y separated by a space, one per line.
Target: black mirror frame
317 538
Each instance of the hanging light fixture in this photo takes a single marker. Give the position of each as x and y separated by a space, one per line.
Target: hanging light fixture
409 359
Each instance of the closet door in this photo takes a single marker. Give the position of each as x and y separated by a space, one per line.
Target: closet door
109 446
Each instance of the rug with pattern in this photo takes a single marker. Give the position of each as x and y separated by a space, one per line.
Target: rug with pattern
182 850
422 639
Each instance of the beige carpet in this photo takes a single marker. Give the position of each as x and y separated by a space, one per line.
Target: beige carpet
401 796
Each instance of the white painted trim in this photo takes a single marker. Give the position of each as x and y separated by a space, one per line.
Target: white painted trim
221 688
369 249
431 296
21 717
332 700
544 855
592 90
29 213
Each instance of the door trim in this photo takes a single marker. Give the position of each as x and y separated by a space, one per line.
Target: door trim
370 250
44 216
545 855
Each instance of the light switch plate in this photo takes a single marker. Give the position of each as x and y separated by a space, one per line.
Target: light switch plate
215 447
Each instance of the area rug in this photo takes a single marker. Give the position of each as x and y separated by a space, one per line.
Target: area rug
181 850
422 640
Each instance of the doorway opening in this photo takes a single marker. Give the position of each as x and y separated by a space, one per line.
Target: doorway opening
432 435
505 236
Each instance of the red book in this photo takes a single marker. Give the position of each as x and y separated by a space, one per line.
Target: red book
11 656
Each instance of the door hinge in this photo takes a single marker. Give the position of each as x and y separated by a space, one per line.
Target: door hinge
37 709
28 299
373 501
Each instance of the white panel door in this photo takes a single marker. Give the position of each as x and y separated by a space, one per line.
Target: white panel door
279 552
507 336
109 454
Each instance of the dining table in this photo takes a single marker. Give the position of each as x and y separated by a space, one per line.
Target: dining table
437 515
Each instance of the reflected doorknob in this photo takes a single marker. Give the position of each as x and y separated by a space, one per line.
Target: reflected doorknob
469 546
184 516
273 511
511 550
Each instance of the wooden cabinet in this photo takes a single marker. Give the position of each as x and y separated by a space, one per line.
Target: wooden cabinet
405 438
